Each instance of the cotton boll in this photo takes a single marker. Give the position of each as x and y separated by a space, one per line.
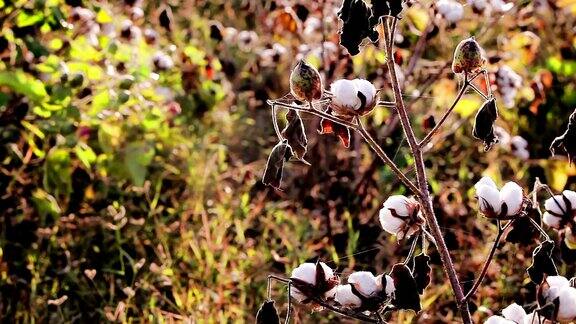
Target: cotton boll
557 281
345 297
555 205
389 222
451 10
367 89
515 313
479 5
305 272
551 220
519 142
571 196
567 307
500 6
489 199
364 282
533 318
512 195
345 94
522 154
495 319
393 207
487 181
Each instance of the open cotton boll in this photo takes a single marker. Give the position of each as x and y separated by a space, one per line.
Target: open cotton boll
345 297
486 181
519 142
555 205
389 282
307 273
345 94
367 89
551 220
500 6
514 312
488 198
567 306
451 10
365 282
534 318
393 207
571 196
512 195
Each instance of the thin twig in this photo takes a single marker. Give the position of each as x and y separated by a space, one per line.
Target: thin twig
434 130
380 152
484 271
539 228
412 249
478 91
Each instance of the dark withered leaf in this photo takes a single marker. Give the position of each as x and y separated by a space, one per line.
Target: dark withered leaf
523 232
386 8
422 272
484 123
358 24
275 165
542 263
566 143
406 292
549 310
295 134
267 314
165 18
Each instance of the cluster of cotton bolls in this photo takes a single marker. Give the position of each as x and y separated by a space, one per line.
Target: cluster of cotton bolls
517 145
401 216
450 10
353 97
515 314
492 6
508 82
560 291
505 203
362 286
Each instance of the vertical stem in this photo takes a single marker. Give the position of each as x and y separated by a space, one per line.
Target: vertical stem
425 198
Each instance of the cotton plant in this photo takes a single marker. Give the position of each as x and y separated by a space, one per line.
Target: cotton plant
340 106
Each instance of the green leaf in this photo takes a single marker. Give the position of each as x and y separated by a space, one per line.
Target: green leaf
85 154
58 172
137 158
24 84
25 18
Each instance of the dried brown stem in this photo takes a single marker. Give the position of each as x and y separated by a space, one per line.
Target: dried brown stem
425 198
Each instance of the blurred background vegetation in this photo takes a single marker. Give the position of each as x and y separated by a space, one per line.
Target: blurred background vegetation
133 136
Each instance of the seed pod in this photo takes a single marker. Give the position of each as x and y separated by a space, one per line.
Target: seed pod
468 57
566 142
484 123
295 134
275 165
305 82
267 314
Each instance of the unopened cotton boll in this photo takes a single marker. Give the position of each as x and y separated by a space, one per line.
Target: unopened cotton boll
345 94
345 297
451 10
365 282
